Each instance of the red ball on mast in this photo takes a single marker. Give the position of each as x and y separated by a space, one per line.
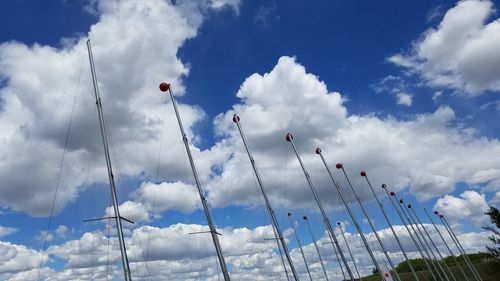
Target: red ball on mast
339 166
164 87
363 173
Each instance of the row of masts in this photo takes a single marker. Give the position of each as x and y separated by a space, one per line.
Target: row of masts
420 235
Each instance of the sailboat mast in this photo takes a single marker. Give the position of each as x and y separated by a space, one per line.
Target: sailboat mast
166 87
363 174
236 119
328 225
123 250
300 245
351 214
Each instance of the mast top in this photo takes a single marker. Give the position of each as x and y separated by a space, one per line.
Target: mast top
392 193
236 118
288 137
363 173
384 185
318 150
339 165
164 87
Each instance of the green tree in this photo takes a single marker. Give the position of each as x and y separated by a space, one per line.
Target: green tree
494 249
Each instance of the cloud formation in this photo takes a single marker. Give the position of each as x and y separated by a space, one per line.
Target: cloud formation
461 52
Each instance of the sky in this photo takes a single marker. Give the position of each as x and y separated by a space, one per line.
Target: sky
408 92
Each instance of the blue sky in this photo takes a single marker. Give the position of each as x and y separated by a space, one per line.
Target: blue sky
407 92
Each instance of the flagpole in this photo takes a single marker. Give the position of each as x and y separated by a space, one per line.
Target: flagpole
274 221
300 245
446 244
435 260
386 253
166 87
459 246
349 211
118 218
289 138
432 242
349 250
384 186
363 174
317 249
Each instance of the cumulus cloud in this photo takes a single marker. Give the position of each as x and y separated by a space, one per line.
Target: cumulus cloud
5 230
135 46
460 53
421 153
404 98
470 206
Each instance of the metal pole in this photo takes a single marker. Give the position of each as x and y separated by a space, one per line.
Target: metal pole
432 242
317 249
349 250
363 174
274 221
446 244
386 253
337 255
459 246
300 245
435 260
408 229
289 138
166 87
401 204
121 239
355 221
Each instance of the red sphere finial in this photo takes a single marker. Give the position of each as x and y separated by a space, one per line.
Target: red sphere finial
288 137
236 118
339 165
436 212
384 186
409 206
164 87
289 214
392 193
401 201
363 173
318 150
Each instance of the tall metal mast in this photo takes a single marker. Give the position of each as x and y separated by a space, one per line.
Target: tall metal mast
274 221
446 244
441 271
427 256
117 217
166 87
300 245
351 214
460 248
289 138
441 259
363 174
317 249
384 186
386 253
349 250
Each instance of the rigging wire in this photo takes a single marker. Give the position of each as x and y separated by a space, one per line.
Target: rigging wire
60 170
148 243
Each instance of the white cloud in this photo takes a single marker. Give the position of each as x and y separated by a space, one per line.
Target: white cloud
404 98
471 206
5 230
421 153
461 52
135 47
18 258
